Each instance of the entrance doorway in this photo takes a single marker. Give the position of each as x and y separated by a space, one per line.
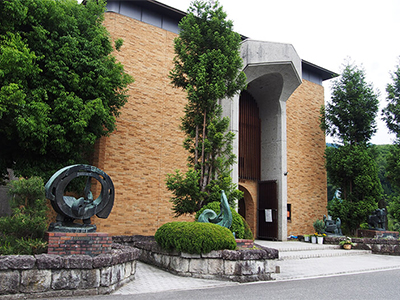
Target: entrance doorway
267 210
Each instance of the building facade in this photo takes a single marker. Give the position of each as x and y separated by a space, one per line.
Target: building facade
279 145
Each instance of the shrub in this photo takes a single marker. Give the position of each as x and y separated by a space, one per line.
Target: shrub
194 237
23 231
319 226
239 225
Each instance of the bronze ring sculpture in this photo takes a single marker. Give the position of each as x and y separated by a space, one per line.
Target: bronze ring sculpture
69 208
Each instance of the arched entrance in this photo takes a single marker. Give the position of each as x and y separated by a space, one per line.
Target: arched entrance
273 72
247 207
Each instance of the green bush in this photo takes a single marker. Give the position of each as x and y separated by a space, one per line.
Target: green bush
239 225
23 231
319 226
194 237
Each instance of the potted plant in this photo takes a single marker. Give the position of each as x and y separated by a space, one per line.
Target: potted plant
347 243
319 227
307 238
314 238
320 238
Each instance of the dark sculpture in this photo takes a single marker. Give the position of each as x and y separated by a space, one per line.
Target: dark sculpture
377 221
69 208
224 218
332 226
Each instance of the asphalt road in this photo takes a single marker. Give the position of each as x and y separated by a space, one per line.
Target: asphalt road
372 285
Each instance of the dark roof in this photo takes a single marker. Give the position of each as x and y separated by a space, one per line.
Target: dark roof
156 6
322 72
160 8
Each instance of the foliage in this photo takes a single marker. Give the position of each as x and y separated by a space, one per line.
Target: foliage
194 237
350 117
206 66
391 116
352 169
319 226
60 87
381 154
351 114
239 225
391 113
23 231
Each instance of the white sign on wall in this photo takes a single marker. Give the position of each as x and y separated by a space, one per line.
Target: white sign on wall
268 215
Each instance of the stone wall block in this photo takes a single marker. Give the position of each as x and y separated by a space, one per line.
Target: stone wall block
165 261
105 276
247 268
270 266
48 261
4 262
90 279
101 260
78 262
127 269
158 259
231 254
20 262
188 255
216 267
181 265
9 282
35 281
66 279
198 266
133 269
230 267
212 254
387 249
117 273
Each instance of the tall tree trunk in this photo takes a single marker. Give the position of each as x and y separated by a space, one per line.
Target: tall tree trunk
203 187
196 151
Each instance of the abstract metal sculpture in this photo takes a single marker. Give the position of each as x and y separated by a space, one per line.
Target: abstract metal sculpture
69 208
224 218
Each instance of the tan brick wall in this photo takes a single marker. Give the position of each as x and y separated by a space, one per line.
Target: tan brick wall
147 143
305 158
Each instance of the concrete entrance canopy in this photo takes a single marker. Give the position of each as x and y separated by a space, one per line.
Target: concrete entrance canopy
273 73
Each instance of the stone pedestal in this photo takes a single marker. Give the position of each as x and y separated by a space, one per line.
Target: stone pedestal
73 243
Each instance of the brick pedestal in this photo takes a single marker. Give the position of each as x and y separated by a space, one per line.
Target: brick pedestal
244 244
68 243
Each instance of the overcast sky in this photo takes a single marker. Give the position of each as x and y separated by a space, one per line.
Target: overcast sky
326 33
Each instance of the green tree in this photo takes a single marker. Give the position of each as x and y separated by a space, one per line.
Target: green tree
350 117
60 87
207 66
391 116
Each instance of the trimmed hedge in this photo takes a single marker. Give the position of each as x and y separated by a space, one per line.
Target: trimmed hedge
239 225
194 237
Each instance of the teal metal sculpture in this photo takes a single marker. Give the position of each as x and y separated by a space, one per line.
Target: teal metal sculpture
224 218
69 208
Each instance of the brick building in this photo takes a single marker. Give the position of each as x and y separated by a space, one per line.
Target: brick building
279 145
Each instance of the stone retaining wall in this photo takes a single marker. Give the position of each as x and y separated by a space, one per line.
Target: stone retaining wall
240 265
47 275
377 246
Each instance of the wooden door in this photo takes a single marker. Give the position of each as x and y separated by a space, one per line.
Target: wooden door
267 210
